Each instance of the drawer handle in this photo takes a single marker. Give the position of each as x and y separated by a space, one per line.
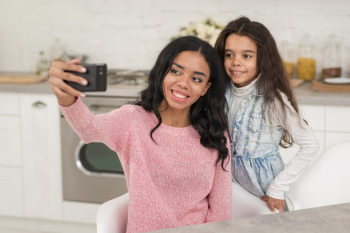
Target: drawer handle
39 104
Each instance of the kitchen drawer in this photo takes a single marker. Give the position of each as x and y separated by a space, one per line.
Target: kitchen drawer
338 119
9 104
11 192
314 115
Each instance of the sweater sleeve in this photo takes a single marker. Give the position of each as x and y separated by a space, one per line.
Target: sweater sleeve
110 128
220 197
302 136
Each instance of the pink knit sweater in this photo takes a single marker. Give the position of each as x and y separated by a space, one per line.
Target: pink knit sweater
173 182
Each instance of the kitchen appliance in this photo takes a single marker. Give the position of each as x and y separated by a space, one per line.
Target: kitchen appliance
92 172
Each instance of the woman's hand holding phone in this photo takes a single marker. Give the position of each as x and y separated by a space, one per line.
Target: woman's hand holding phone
66 95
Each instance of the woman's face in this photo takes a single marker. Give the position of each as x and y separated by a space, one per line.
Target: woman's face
186 81
241 59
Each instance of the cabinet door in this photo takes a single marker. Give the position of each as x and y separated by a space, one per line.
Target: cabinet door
41 156
9 104
314 115
11 191
337 119
334 138
10 141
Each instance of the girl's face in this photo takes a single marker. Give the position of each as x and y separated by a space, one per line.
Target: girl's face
241 59
186 81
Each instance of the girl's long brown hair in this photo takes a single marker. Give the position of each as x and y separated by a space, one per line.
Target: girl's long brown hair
273 76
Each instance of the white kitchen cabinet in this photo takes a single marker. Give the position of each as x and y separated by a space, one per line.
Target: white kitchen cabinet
41 148
338 119
10 141
11 186
333 138
9 104
11 191
314 115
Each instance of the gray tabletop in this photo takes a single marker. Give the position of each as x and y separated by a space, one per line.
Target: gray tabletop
304 93
328 219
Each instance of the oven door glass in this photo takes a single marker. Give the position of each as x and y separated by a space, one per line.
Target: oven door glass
97 157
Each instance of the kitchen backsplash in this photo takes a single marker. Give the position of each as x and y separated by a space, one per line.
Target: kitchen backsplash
129 34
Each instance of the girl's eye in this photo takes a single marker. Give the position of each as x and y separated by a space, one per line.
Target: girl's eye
228 55
174 71
247 56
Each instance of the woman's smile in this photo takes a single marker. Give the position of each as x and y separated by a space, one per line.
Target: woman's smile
179 95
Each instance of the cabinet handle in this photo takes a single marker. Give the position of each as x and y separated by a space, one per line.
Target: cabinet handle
39 104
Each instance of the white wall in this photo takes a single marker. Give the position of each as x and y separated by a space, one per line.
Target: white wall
130 33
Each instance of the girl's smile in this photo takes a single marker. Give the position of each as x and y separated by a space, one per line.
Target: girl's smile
241 59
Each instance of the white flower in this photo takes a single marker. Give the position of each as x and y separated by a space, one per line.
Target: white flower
207 30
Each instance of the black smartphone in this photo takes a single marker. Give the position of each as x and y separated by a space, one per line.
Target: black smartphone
96 75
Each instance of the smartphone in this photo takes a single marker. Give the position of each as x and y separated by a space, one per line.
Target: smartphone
96 75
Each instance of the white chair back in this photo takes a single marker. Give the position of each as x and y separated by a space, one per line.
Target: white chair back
326 182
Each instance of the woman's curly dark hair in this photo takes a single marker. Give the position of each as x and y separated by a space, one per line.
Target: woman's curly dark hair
207 114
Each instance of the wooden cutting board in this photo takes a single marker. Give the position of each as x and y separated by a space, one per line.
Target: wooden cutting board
319 85
21 79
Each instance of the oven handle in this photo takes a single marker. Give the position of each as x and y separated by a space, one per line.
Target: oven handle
90 173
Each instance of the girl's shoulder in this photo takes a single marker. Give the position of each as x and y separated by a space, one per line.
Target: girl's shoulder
285 100
282 106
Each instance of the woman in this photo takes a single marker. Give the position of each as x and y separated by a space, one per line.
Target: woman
173 143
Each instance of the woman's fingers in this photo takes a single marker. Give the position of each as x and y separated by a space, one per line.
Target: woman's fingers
58 69
59 73
56 82
75 61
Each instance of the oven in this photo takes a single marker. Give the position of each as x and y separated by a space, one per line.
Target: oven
91 172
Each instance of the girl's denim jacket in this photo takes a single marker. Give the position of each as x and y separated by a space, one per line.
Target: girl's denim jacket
255 153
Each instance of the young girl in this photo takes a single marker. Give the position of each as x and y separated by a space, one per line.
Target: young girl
263 114
172 143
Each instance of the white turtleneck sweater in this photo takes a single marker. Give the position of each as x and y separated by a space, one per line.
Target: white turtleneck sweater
238 94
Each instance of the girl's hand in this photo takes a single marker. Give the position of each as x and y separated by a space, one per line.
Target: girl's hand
66 95
273 203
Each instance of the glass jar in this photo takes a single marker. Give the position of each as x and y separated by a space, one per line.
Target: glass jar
306 64
287 58
331 58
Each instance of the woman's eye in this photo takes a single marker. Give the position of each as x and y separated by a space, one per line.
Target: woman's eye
247 56
174 71
197 79
228 55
